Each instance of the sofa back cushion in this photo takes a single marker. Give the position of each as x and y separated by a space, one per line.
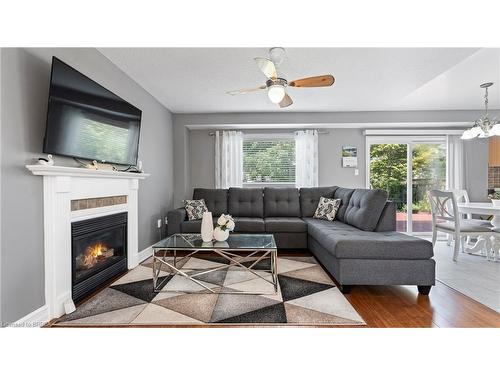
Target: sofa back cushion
282 202
364 208
344 194
215 199
387 221
246 202
309 198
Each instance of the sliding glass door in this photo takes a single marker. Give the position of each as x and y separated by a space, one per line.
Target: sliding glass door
428 173
407 168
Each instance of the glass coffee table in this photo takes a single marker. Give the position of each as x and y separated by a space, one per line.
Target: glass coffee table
243 251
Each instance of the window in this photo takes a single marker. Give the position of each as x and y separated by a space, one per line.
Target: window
269 160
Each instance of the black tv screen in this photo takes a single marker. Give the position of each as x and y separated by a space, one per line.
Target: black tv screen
87 121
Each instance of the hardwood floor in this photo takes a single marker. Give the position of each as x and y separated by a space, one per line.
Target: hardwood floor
403 307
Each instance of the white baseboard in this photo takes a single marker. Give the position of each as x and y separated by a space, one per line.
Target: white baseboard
35 319
145 254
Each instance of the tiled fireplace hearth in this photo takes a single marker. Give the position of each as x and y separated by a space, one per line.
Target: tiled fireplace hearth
73 197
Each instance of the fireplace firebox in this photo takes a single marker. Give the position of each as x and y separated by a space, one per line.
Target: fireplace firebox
99 252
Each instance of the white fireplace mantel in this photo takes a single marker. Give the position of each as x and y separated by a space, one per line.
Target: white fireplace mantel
61 185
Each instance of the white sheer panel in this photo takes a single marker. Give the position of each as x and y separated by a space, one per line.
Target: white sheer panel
306 158
228 159
455 163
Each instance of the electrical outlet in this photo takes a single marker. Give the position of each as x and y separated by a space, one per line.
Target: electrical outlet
356 172
166 220
159 223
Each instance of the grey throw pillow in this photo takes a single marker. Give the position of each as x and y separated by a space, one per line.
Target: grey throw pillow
327 208
195 208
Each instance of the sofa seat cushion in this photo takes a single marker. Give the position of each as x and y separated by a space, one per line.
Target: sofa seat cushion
245 202
281 202
309 198
364 208
285 225
345 241
215 199
468 225
249 224
193 226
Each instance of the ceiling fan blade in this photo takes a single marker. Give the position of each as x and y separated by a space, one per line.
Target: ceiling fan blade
318 81
267 67
244 91
287 101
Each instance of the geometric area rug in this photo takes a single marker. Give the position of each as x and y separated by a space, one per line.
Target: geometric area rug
306 297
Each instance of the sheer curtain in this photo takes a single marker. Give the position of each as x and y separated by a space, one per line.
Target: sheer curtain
306 158
228 159
455 162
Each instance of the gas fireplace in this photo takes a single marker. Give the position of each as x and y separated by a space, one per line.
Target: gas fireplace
99 252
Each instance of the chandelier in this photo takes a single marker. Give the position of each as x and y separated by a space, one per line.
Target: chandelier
483 126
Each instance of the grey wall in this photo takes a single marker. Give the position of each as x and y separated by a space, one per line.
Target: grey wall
476 171
196 167
25 80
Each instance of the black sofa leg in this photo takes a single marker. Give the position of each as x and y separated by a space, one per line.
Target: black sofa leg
424 289
345 289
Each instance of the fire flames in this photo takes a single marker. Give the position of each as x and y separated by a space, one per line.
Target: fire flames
93 254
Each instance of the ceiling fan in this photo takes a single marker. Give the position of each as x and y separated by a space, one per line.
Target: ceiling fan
276 84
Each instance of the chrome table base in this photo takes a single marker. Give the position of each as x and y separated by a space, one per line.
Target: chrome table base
235 260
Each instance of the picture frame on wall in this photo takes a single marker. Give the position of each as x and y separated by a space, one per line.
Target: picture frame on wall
349 157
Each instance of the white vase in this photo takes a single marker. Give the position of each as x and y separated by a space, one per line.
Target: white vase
207 227
221 235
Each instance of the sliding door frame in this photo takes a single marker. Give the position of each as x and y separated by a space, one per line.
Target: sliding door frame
410 141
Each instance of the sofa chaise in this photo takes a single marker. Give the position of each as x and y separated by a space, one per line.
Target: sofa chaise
360 247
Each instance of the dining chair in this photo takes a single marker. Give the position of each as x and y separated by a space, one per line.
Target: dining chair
494 253
446 218
462 196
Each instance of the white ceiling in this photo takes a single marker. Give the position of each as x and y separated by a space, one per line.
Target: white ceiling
194 80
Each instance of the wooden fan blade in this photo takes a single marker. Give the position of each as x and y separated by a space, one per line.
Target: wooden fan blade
267 67
287 101
318 81
244 91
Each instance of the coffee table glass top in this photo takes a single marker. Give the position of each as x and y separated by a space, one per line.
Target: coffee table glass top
235 242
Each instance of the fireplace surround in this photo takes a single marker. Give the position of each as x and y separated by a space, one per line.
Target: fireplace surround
62 186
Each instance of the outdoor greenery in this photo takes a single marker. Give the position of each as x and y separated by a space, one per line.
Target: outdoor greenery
269 161
388 171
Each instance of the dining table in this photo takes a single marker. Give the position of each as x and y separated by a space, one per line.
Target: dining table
486 245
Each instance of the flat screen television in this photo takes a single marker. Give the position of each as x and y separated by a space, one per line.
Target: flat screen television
87 121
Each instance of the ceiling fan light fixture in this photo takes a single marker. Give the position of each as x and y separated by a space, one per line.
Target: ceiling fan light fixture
276 93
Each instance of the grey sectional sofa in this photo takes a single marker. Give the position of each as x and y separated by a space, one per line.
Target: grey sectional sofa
361 247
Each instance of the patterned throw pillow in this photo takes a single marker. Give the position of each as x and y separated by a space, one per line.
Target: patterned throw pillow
195 208
327 209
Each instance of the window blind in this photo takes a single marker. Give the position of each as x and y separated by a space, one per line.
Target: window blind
268 161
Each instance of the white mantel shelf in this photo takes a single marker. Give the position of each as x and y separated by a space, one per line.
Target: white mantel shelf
53 170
